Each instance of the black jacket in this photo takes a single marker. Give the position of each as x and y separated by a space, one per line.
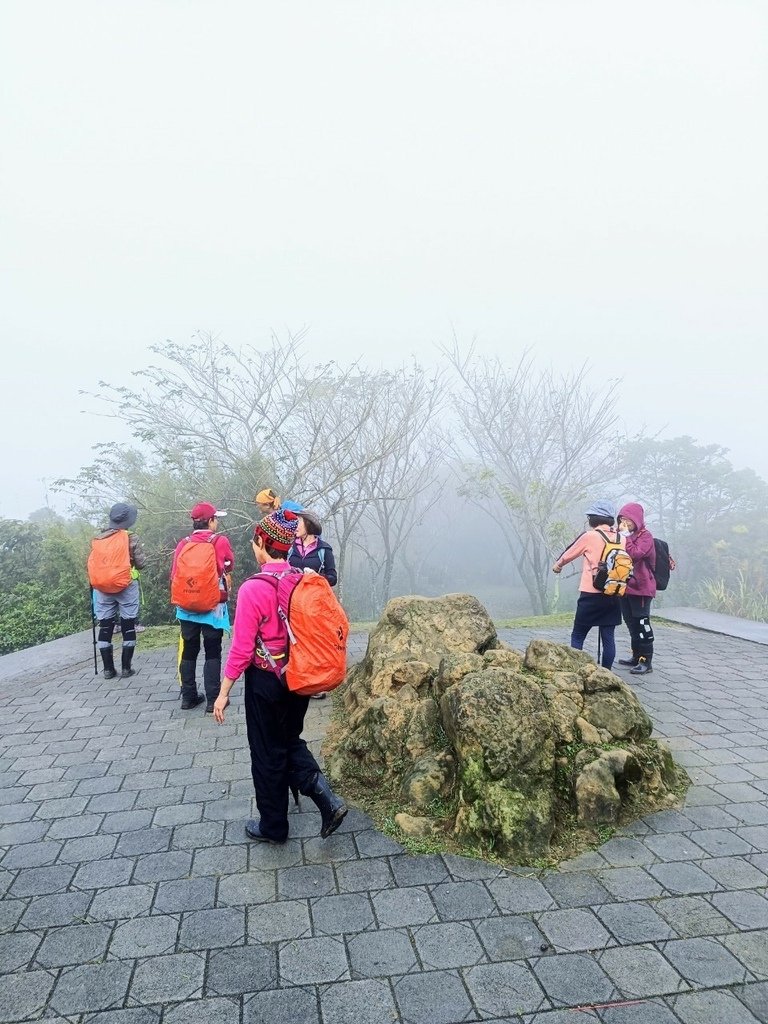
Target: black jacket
324 563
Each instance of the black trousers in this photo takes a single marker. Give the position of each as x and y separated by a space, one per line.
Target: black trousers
636 612
191 633
280 758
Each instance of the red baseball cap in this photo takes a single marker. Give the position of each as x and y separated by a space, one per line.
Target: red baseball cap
204 510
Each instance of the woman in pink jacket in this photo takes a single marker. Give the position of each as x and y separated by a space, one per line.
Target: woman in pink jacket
641 589
593 607
274 715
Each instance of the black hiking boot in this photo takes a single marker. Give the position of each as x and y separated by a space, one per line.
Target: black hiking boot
187 703
107 657
253 831
629 661
643 666
332 808
126 658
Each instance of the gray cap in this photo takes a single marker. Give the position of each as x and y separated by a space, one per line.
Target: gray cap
603 508
122 516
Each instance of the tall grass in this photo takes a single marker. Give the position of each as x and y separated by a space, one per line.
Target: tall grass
743 599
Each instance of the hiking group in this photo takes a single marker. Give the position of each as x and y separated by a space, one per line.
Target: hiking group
289 638
623 568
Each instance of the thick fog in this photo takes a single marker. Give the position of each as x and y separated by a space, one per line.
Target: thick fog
586 180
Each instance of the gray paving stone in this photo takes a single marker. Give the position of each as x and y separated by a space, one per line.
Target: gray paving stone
198 835
640 971
243 969
570 979
218 861
273 922
263 856
381 953
75 851
674 846
755 998
31 855
71 828
126 821
427 870
313 961
435 997
24 832
87 988
374 844
399 907
122 801
338 847
144 937
167 978
574 930
204 1011
102 874
133 1015
162 867
511 938
682 879
462 901
307 881
243 889
371 874
348 913
282 1006
693 916
704 962
48 911
719 842
10 913
122 901
735 873
751 948
649 1011
184 894
147 840
23 996
504 989
76 944
520 895
17 950
358 1002
453 944
630 883
42 881
211 929
623 852
712 1008
745 909
576 889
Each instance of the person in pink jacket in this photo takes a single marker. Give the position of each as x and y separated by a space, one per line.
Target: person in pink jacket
274 715
641 590
593 607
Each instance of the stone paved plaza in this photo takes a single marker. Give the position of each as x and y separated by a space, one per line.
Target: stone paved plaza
130 894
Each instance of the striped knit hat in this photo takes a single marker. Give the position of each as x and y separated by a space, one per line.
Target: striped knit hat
278 529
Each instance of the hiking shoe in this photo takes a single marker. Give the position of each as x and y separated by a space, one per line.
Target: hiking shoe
127 673
253 831
642 668
628 661
191 702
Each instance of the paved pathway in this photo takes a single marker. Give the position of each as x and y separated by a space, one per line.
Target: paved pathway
714 622
130 894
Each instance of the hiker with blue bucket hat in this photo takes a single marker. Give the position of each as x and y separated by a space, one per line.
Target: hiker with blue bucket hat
597 605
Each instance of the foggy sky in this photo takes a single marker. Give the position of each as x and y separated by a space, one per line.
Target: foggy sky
588 179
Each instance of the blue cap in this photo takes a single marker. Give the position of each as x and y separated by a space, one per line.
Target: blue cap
603 508
292 506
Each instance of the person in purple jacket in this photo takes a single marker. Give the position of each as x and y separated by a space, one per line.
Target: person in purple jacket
641 589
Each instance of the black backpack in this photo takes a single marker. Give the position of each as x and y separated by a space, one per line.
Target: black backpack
664 564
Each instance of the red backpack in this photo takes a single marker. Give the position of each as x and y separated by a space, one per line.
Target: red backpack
195 584
317 629
109 563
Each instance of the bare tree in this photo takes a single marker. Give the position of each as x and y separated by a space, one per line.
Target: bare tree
541 441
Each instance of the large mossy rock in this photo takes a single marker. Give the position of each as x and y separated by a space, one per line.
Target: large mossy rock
503 750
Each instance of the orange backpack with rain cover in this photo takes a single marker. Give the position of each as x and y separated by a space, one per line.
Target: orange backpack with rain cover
109 563
195 584
317 628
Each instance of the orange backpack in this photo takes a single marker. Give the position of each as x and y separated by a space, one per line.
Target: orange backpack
317 629
195 584
109 563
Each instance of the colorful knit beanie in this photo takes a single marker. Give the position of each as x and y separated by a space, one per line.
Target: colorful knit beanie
278 529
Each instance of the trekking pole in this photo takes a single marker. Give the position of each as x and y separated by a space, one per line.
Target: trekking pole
599 638
93 630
